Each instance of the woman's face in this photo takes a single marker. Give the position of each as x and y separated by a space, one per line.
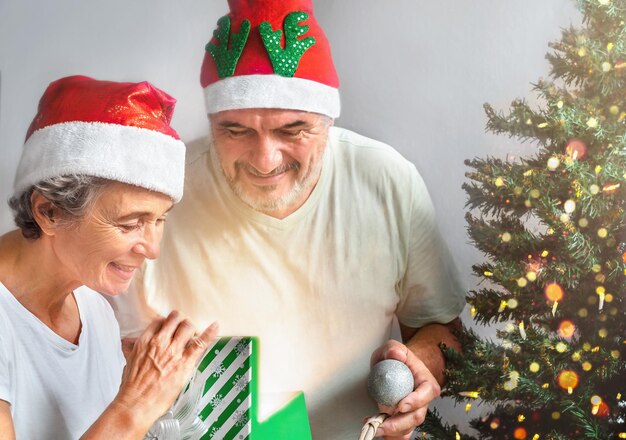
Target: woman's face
106 247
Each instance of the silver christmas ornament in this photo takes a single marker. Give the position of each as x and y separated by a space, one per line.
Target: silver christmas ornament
389 382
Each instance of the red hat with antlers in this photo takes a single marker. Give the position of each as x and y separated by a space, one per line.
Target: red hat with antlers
270 54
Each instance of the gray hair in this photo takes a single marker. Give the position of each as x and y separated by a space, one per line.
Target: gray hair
73 195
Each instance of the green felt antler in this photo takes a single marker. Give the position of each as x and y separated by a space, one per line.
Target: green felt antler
285 61
226 59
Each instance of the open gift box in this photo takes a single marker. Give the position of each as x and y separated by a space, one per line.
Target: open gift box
222 401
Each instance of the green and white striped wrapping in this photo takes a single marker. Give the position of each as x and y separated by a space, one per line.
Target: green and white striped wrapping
225 373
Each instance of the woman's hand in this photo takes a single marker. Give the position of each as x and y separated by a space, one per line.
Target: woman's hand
161 361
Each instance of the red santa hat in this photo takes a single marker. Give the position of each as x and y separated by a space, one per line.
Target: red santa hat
113 130
270 54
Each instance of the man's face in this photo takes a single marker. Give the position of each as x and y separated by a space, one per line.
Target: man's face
271 158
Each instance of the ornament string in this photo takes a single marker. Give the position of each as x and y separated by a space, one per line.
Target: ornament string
371 425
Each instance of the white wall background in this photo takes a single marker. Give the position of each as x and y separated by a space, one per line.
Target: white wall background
414 73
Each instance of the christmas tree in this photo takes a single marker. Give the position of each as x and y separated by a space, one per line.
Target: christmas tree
553 229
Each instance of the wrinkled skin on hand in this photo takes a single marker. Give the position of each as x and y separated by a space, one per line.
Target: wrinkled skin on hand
159 363
410 412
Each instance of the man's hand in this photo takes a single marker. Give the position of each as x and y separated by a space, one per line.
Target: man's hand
410 412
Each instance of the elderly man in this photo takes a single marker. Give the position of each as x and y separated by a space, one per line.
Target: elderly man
309 236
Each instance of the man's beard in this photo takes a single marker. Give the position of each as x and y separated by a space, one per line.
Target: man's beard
264 202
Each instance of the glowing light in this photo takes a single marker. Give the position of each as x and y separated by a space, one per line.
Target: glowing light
471 394
522 331
566 329
586 366
603 233
582 51
614 110
553 163
615 354
499 181
555 415
569 206
533 367
564 218
583 313
535 437
520 433
534 193
583 222
487 273
576 356
506 237
521 417
554 306
544 254
610 188
603 333
561 347
553 292
511 384
503 304
531 275
559 104
596 268
606 66
468 407
601 410
576 149
592 122
604 2
567 379
545 124
522 282
473 311
512 303
495 424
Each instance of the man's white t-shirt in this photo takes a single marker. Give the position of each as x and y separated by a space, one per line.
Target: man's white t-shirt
319 288
58 389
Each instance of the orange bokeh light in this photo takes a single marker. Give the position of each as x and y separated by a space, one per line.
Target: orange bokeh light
576 149
553 292
566 329
520 433
602 410
567 379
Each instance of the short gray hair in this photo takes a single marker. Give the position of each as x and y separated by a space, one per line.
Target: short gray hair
74 195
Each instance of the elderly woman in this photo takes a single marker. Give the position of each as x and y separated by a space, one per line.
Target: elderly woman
100 169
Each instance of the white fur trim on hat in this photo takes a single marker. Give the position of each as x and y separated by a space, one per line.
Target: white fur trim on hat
272 91
128 154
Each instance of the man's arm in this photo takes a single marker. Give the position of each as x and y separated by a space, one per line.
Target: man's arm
424 343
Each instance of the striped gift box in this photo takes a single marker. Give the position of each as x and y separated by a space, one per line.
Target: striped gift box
221 401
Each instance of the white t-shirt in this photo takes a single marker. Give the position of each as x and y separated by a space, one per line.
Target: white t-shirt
58 389
319 288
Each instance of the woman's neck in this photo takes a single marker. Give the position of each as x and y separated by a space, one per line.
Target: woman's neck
30 270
